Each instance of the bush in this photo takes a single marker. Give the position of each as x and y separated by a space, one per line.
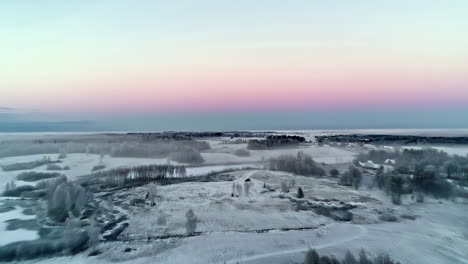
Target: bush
300 193
36 176
334 173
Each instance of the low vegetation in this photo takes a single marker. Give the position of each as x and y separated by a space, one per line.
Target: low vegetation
36 176
312 257
28 165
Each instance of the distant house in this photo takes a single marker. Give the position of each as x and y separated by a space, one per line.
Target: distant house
390 161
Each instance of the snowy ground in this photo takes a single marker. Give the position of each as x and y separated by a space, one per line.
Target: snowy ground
234 229
10 236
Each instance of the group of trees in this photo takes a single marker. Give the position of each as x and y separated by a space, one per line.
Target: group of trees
274 142
411 160
312 257
238 190
403 181
421 170
301 164
140 175
352 177
65 199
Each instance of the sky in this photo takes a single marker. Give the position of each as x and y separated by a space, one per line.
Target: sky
215 64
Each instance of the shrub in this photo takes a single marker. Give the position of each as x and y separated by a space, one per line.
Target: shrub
300 193
334 173
98 167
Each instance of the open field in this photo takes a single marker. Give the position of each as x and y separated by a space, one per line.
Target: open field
243 211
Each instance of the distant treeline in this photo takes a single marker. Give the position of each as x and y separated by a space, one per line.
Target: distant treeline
386 139
186 151
275 142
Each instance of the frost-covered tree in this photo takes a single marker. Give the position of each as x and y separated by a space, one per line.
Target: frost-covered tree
71 227
363 258
183 171
292 184
247 188
191 222
152 193
284 187
62 154
162 219
349 258
239 189
334 173
93 234
312 257
109 204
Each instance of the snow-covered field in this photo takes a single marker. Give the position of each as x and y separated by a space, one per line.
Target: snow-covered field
265 226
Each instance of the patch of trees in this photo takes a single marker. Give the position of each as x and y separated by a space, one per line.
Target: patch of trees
189 155
242 153
352 177
312 257
65 199
275 142
28 165
139 175
423 170
36 176
301 164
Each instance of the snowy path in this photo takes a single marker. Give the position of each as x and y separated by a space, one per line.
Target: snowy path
362 232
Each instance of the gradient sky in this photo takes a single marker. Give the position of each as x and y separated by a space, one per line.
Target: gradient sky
113 60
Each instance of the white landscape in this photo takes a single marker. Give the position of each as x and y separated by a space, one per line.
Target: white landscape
125 207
